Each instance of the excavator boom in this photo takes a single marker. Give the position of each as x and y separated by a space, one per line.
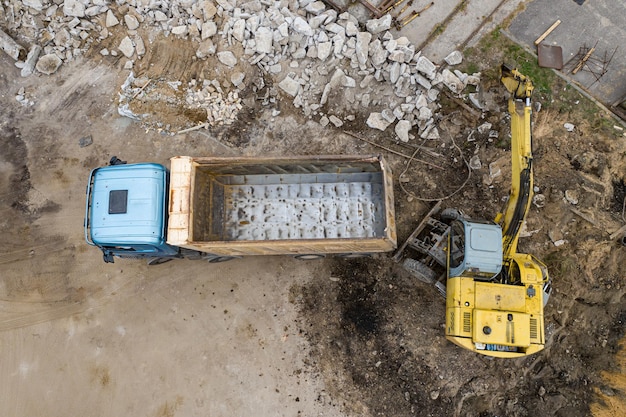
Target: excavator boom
518 203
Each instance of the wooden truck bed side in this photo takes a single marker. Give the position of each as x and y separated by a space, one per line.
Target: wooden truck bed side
260 206
179 220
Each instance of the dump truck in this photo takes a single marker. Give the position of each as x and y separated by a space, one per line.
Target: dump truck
220 208
495 295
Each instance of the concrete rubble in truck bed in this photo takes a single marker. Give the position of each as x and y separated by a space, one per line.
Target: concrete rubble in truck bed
307 50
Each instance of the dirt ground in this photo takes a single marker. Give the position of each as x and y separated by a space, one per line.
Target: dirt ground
271 336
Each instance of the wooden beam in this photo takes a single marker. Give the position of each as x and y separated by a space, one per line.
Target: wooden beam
547 32
582 62
618 232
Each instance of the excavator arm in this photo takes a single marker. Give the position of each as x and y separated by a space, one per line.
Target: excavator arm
518 203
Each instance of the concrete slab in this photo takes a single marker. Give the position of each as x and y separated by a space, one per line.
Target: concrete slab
446 26
465 21
601 23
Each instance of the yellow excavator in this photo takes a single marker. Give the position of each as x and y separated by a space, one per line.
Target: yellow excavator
495 296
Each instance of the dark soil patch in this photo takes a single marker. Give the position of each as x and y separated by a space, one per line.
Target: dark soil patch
15 156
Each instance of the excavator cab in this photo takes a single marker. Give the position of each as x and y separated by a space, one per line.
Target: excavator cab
475 249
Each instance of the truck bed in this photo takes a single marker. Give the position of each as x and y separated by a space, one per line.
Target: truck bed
294 205
305 210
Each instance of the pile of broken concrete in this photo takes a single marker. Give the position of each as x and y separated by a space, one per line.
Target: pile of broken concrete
310 52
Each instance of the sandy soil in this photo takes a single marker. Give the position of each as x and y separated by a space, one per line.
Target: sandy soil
83 338
275 336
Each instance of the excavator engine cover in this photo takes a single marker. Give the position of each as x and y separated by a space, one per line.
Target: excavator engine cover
503 328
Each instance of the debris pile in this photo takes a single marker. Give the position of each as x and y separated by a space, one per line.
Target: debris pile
221 108
313 54
218 107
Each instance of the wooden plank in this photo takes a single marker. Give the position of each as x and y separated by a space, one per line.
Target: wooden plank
390 213
582 62
618 232
547 32
293 247
178 227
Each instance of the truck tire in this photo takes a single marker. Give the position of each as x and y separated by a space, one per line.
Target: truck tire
355 255
217 259
420 271
158 261
450 214
309 256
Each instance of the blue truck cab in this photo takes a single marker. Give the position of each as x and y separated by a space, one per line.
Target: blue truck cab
125 213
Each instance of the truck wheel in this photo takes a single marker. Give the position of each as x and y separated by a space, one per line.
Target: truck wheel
218 259
450 214
420 271
158 261
309 257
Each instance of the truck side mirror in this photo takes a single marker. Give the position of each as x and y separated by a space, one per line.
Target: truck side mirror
107 257
116 161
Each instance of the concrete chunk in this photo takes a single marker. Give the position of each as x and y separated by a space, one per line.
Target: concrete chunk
127 47
226 5
335 120
452 82
208 9
48 64
263 40
351 28
316 7
239 30
208 29
73 8
388 115
227 58
397 56
402 130
323 50
362 46
377 121
31 61
181 30
302 26
454 58
34 4
237 78
131 22
12 48
159 16
140 47
376 26
378 54
111 20
424 114
290 86
425 66
205 49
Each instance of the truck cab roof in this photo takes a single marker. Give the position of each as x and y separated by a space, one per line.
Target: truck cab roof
127 204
